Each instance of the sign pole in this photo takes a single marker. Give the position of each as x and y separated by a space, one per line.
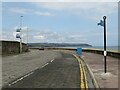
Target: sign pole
21 35
105 52
27 36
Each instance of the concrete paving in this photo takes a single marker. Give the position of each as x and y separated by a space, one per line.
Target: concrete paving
96 63
62 72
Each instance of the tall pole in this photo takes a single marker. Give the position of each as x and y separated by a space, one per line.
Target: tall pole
27 36
21 34
105 52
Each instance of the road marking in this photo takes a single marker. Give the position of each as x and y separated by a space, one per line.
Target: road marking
28 74
45 65
36 68
82 86
52 60
83 78
20 79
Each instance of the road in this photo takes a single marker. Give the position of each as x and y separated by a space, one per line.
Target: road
61 72
16 66
57 69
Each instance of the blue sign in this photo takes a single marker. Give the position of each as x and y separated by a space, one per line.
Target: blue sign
17 30
17 35
101 23
79 50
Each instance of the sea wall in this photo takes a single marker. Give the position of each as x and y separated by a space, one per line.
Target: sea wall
99 51
11 47
111 53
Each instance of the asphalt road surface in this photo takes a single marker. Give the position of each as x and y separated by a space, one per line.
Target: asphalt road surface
61 72
15 66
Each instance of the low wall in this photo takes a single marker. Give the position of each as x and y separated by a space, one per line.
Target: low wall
97 51
12 47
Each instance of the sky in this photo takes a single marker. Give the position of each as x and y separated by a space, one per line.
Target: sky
60 22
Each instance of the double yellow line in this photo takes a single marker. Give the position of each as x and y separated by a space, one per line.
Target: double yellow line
83 74
84 77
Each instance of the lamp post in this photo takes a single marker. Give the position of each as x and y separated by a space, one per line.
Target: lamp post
27 36
105 52
21 34
103 23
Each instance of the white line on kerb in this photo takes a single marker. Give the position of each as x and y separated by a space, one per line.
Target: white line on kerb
52 60
20 78
45 65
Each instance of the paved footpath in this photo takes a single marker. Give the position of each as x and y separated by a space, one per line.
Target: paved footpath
62 72
96 63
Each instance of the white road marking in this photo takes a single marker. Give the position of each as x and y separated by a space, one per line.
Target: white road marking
45 65
52 60
20 78
36 68
28 74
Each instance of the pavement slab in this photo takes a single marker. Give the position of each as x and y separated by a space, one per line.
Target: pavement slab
96 63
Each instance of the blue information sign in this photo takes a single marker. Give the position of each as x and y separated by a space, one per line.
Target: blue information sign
17 30
79 50
17 35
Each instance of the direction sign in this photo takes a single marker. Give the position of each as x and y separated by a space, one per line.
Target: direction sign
17 35
17 30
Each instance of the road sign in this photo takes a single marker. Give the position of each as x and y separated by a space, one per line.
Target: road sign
79 50
101 23
17 30
17 35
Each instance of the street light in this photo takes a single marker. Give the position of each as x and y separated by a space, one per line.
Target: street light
105 52
21 34
27 36
103 23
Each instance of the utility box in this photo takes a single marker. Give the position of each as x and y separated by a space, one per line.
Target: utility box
79 50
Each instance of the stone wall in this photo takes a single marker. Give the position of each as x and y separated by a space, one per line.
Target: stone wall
12 47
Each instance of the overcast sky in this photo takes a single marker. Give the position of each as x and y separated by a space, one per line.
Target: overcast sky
66 22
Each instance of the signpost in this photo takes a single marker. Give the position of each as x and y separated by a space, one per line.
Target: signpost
19 35
103 23
27 36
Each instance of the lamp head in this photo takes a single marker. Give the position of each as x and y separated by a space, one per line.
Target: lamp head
104 17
